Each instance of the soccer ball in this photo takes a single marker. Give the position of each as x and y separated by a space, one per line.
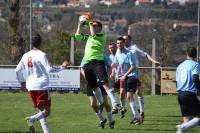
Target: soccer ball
82 19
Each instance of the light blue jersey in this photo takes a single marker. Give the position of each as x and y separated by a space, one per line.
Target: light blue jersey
107 61
125 59
184 76
110 61
82 63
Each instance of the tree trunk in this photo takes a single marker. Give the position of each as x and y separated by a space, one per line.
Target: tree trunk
16 43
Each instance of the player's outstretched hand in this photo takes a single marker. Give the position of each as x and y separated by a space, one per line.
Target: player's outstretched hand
65 64
157 63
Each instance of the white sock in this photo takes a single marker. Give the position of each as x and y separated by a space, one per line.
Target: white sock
141 104
112 97
110 116
98 95
37 116
100 116
44 125
190 124
134 110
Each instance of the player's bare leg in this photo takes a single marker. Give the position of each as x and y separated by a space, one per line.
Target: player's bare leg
95 107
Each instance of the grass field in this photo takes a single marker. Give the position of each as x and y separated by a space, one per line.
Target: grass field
71 113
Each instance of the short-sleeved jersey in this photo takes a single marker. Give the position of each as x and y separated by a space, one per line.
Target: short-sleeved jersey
184 75
94 48
135 50
111 59
125 59
37 67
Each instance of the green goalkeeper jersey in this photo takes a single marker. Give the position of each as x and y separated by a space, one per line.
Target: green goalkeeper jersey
94 48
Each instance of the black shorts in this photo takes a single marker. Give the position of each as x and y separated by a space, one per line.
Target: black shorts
90 91
130 84
114 84
189 104
95 70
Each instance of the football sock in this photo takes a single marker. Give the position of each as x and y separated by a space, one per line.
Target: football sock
100 116
110 116
134 110
44 125
112 97
141 104
98 95
37 116
190 124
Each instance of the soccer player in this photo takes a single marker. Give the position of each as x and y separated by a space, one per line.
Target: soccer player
114 76
129 74
187 79
95 106
94 66
37 67
137 51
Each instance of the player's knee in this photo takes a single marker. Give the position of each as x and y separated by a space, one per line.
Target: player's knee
129 98
93 104
46 113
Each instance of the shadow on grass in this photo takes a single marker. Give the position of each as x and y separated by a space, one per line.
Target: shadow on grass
161 120
161 116
148 129
167 124
16 132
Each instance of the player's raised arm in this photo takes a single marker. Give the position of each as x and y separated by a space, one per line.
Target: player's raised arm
152 60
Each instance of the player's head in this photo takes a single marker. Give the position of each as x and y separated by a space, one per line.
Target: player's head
97 26
192 52
112 47
36 40
120 43
127 39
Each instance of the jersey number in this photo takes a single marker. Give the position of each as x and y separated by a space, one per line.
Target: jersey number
30 64
183 75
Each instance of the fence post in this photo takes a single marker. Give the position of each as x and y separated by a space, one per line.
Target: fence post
72 51
153 74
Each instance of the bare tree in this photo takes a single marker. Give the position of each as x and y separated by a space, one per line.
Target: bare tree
16 42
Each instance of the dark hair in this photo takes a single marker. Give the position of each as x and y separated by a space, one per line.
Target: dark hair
121 39
112 43
36 40
99 24
192 52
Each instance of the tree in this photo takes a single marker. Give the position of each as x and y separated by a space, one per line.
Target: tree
16 42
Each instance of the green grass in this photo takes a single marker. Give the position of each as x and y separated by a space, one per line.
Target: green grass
71 113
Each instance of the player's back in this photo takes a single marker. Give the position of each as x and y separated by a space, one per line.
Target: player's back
36 64
184 75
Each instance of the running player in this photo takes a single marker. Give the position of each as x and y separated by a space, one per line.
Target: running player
187 78
37 67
